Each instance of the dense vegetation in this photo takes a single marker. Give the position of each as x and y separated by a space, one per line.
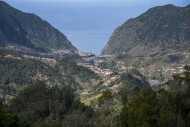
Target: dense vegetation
44 106
19 72
129 80
163 108
71 68
9 120
41 105
49 105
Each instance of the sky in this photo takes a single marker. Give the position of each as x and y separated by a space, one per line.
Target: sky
88 24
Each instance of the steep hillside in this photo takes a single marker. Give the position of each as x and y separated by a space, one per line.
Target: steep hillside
160 29
29 33
18 71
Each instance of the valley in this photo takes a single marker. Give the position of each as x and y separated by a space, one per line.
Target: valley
141 77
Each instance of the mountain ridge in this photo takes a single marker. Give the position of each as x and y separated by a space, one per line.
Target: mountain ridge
159 29
29 30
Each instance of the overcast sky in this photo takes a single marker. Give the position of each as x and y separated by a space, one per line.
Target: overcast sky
88 24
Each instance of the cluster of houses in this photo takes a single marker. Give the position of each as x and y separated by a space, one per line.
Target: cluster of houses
47 60
56 52
174 70
11 56
97 70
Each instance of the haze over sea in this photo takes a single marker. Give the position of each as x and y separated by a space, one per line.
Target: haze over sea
88 24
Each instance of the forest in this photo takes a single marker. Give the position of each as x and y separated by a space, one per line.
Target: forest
40 105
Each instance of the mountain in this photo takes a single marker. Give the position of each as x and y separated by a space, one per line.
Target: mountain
28 32
158 30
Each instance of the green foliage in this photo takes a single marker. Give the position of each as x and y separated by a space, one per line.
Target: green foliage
107 110
166 103
77 119
123 116
21 72
131 80
106 65
186 76
71 68
4 52
142 109
9 120
159 109
105 95
41 104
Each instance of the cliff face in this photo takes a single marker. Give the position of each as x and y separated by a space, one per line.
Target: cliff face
160 29
28 30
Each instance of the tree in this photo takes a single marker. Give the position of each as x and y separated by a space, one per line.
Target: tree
123 117
43 105
10 120
141 110
167 108
77 119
